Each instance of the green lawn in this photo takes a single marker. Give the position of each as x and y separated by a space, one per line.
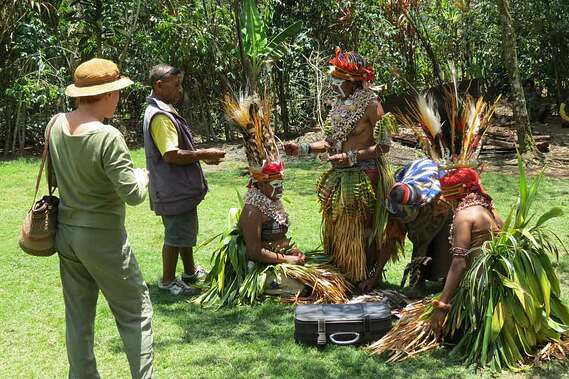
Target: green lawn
242 342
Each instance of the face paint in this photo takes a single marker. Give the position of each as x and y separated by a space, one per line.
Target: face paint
277 186
338 84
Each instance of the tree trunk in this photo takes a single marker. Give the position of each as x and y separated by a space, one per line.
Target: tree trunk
245 62
209 124
9 128
553 42
22 140
281 93
426 43
16 131
99 25
133 27
511 62
226 132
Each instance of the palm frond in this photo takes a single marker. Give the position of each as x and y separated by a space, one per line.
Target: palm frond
412 335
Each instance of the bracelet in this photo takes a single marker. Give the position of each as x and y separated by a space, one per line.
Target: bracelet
303 149
459 252
441 306
352 157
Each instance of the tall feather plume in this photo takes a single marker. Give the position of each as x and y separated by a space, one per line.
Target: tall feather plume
452 107
425 122
484 123
253 117
473 127
469 119
450 110
411 121
429 116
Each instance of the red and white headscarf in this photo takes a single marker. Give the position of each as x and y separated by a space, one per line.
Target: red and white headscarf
350 66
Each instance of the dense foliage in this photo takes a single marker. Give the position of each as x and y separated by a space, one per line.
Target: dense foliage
410 43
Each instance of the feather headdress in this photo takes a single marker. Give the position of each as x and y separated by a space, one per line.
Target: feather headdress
468 120
456 146
252 115
351 66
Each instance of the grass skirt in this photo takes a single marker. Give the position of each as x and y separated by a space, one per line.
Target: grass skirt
351 208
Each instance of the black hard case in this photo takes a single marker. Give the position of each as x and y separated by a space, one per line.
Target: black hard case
341 324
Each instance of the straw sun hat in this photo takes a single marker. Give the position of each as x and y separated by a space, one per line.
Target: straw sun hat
95 77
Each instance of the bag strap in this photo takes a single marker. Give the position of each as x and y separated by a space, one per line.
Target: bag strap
44 157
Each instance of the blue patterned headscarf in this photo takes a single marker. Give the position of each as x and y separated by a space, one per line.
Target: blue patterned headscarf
422 176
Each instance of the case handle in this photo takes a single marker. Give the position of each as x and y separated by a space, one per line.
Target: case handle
321 341
349 342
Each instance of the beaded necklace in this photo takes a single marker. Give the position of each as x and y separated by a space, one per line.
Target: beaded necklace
268 207
471 200
345 114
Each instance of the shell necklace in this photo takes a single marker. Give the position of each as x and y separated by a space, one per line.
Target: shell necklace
268 207
345 114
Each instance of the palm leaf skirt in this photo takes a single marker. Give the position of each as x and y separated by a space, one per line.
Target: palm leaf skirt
232 280
349 206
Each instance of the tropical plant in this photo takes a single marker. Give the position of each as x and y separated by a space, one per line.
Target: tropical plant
509 303
404 40
258 47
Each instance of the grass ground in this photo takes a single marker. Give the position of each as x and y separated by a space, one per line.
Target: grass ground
190 342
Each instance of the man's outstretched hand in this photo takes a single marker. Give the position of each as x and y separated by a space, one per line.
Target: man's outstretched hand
212 155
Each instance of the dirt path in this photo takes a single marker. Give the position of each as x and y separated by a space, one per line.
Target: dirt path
555 162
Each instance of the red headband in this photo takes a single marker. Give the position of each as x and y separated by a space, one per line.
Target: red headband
269 171
351 66
460 182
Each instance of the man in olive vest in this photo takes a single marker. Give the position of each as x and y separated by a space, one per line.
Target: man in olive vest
177 183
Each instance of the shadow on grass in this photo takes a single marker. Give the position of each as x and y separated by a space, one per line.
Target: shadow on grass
550 370
262 336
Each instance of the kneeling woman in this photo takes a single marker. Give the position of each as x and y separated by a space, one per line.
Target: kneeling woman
475 221
264 225
255 257
501 303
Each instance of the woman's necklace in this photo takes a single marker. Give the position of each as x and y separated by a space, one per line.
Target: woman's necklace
471 200
345 114
268 207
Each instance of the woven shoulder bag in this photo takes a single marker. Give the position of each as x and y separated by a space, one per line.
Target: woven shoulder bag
37 236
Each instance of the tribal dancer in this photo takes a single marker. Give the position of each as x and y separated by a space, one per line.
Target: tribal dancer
501 301
416 210
352 192
255 256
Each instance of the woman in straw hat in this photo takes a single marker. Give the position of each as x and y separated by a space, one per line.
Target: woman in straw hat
96 177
